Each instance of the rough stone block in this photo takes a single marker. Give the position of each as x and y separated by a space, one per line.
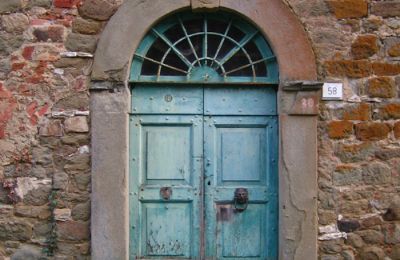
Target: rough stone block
73 102
86 26
349 8
382 87
349 68
392 233
372 252
340 129
15 22
51 128
347 175
73 230
372 131
386 8
77 124
354 240
60 180
81 42
396 130
376 173
354 152
79 162
392 46
62 214
364 46
361 112
387 153
371 237
385 69
54 33
389 111
15 230
99 9
42 212
10 5
27 252
81 211
393 211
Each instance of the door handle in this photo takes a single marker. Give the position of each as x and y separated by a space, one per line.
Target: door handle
241 199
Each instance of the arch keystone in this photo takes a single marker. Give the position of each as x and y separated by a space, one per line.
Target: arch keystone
201 5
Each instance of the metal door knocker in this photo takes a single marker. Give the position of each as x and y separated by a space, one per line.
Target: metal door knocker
165 193
241 199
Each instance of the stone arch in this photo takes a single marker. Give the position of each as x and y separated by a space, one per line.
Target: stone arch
130 23
110 105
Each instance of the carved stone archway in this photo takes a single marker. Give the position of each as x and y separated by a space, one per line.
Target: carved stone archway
110 105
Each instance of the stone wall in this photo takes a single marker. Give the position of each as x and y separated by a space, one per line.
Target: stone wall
46 51
44 127
357 42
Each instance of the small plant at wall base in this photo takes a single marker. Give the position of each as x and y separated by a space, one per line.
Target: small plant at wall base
51 241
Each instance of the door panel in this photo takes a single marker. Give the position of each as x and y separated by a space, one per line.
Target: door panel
247 100
148 99
166 153
240 152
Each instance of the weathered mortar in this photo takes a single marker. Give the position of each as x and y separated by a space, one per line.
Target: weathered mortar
44 124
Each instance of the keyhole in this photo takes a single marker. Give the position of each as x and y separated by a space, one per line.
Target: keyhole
209 183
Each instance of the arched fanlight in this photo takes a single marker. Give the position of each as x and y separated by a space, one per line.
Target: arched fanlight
204 48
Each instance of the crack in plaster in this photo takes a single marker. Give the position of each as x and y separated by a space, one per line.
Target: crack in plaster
294 241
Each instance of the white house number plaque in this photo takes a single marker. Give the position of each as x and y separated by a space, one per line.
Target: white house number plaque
332 91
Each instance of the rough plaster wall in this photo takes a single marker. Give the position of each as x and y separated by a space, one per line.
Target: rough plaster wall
44 125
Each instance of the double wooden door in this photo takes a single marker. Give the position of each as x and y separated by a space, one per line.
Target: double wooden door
203 172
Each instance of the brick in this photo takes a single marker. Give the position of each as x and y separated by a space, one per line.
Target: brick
340 129
386 8
390 111
361 112
27 52
394 51
385 69
65 3
372 131
364 46
349 68
396 130
349 8
382 87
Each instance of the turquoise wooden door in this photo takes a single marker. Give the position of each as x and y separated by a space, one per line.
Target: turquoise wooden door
191 149
240 152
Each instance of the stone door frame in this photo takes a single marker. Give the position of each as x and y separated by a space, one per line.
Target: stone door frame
297 107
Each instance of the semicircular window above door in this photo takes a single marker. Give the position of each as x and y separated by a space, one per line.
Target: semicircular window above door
204 48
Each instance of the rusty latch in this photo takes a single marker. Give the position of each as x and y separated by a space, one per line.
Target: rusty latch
241 199
165 193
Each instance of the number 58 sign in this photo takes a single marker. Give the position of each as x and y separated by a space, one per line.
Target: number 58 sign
332 91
